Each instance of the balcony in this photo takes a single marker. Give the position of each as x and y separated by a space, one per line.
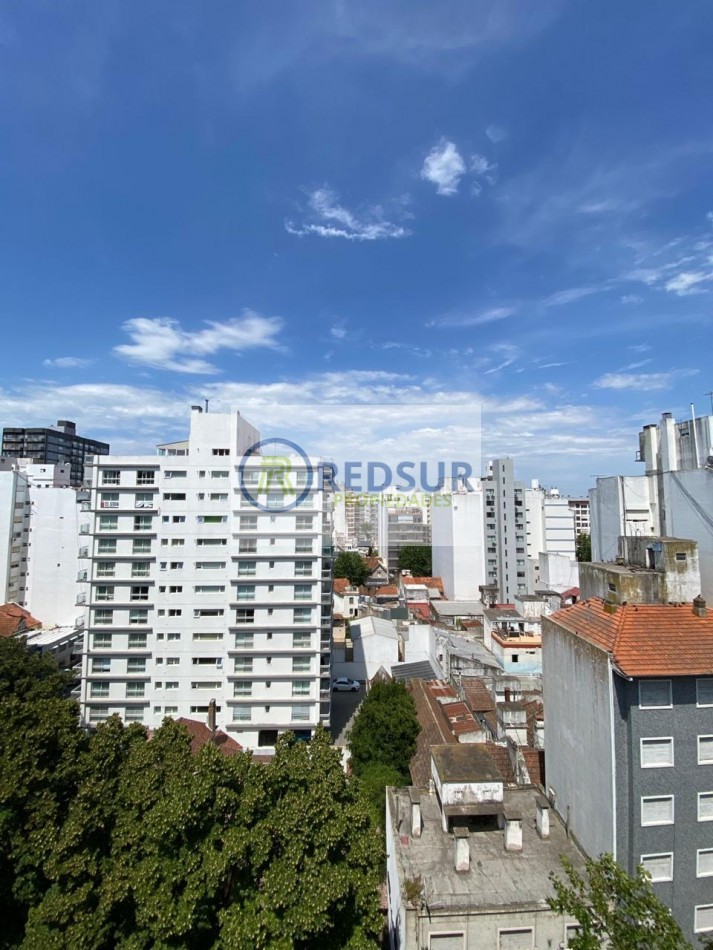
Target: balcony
81 599
84 552
84 529
82 576
79 622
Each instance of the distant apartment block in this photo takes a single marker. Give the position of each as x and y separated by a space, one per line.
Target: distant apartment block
580 512
210 580
53 444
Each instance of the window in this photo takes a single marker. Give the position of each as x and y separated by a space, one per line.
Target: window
301 640
208 612
206 684
138 616
446 941
176 565
247 568
175 589
300 713
175 612
303 591
134 714
704 865
108 522
242 713
98 715
176 473
519 938
302 614
218 496
211 519
106 546
303 545
246 592
178 519
705 803
244 641
245 615
111 476
142 546
301 687
243 688
208 635
211 542
103 617
659 866
220 473
143 499
303 568
243 664
171 684
703 918
247 546
171 710
208 661
705 750
145 476
301 664
139 593
210 565
142 522
173 636
248 522
656 753
704 691
137 641
209 588
104 593
655 694
304 522
99 689
136 664
173 660
174 496
101 664
657 810
220 451
102 641
109 499
134 690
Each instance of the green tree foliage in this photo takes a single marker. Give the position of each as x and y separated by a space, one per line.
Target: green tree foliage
584 546
417 559
385 730
373 779
112 840
614 909
351 565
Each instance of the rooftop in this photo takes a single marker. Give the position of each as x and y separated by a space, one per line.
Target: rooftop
644 639
15 619
497 878
201 735
458 608
465 763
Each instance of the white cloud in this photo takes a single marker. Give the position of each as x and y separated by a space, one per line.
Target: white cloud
646 382
163 344
444 167
569 296
472 319
333 220
632 298
687 282
68 362
339 330
496 133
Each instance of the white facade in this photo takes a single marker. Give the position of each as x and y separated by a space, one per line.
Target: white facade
458 543
197 593
40 541
674 498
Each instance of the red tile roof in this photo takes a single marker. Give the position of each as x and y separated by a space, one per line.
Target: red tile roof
341 584
16 620
501 755
200 736
434 582
644 639
387 590
477 694
435 730
535 762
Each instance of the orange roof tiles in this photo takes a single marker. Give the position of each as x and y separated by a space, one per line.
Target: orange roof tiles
434 582
477 694
16 620
387 590
645 639
341 584
200 735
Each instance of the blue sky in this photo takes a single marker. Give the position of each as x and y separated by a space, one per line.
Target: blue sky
502 203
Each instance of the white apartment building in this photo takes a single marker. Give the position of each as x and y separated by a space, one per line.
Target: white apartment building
458 543
211 580
674 498
40 515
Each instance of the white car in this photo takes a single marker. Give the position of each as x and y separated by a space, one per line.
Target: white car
343 683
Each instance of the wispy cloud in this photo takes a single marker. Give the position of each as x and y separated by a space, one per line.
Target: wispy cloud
645 382
631 298
570 295
507 353
338 331
444 167
163 344
472 319
687 282
328 218
496 133
68 362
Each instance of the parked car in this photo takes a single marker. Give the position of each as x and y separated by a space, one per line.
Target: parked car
343 683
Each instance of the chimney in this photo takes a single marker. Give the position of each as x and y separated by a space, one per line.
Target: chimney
416 822
461 836
513 831
542 817
211 719
699 607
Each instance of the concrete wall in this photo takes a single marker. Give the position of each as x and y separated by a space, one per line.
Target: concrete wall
684 722
689 514
457 545
558 572
372 650
579 747
620 504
